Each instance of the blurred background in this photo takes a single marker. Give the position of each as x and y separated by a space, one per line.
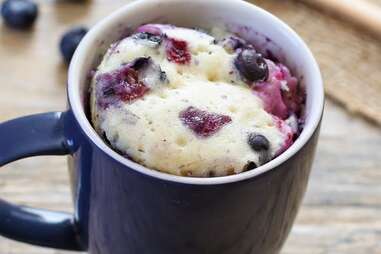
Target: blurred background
341 213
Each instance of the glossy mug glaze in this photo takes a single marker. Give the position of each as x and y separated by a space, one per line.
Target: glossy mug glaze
124 208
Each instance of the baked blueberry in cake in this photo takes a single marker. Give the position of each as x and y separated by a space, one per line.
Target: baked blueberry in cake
191 103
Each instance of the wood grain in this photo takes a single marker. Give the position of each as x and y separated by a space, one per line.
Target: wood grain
341 211
362 13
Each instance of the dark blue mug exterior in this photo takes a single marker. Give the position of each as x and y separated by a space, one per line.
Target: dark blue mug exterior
122 211
119 210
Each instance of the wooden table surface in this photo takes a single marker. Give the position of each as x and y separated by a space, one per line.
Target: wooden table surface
341 213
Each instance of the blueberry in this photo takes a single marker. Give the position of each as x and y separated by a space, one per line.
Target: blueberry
163 76
232 43
249 166
148 72
251 65
258 142
150 37
108 91
140 63
19 14
70 42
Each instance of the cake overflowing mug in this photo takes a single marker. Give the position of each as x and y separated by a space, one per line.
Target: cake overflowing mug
122 207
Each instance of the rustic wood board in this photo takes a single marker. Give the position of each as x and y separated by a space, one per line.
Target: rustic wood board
341 211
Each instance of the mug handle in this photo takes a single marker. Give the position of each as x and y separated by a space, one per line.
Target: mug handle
40 134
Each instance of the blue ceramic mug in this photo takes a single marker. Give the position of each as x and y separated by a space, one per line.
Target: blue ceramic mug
124 208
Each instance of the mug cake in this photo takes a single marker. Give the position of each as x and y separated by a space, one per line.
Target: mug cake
195 103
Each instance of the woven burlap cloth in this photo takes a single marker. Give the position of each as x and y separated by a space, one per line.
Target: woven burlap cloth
349 57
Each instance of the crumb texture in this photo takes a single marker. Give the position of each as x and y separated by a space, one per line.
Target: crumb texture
188 103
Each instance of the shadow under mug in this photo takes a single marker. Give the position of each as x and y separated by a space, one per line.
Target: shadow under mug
124 208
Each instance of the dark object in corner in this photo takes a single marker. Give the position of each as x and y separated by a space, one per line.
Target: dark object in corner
70 41
19 14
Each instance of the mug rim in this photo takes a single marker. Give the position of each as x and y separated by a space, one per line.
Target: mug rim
74 99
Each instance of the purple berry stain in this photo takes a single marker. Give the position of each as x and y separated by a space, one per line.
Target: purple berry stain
271 96
149 29
287 132
177 51
120 85
280 94
203 123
